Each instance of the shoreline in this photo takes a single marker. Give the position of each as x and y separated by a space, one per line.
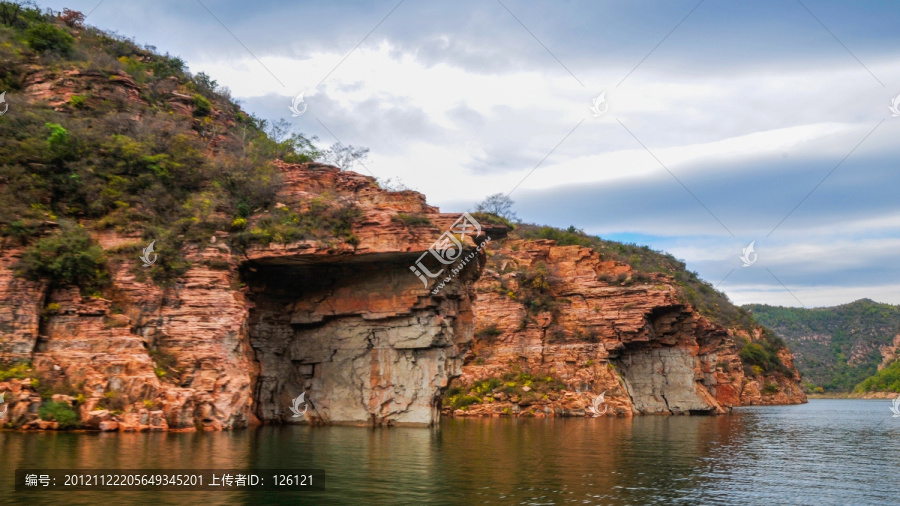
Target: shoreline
854 395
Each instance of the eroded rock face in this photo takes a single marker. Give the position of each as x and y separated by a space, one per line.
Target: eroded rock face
237 337
662 381
632 340
349 323
363 340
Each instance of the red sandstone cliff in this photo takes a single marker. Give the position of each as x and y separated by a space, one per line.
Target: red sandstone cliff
238 336
556 329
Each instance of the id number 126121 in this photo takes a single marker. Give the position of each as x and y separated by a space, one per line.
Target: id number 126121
293 480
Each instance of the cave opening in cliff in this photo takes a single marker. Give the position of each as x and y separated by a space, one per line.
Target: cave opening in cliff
659 367
360 337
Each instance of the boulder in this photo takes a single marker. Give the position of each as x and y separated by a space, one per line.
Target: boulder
96 417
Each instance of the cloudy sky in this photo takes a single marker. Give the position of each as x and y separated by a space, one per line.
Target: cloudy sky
723 122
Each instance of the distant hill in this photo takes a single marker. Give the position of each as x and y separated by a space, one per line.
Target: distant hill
836 348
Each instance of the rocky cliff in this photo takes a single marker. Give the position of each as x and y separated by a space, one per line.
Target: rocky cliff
268 279
273 279
557 326
237 337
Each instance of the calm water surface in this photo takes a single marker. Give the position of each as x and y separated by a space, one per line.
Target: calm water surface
825 452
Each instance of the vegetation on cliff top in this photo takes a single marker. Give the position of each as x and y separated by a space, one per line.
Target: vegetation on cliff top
839 347
68 257
644 260
139 145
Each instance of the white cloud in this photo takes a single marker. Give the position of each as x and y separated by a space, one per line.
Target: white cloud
685 122
818 296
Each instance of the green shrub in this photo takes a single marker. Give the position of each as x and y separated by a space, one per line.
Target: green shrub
511 383
113 401
885 380
202 106
568 237
770 388
218 264
485 386
51 309
489 332
412 220
323 220
15 371
60 412
164 362
754 354
77 100
69 256
534 289
21 229
556 335
492 219
462 401
44 37
590 335
58 135
762 354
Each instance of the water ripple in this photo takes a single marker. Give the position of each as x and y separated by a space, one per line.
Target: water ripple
826 452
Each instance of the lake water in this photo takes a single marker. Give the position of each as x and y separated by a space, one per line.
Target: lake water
824 452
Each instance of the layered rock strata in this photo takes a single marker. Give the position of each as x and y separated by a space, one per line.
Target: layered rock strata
238 336
598 328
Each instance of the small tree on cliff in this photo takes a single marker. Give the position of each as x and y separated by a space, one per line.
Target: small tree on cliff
345 157
498 204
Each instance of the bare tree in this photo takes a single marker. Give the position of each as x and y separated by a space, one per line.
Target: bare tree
279 130
345 157
498 204
72 19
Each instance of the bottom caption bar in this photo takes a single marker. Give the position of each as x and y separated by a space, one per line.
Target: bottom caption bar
273 480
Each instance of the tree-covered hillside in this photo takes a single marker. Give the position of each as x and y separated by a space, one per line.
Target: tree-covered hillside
836 347
101 133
